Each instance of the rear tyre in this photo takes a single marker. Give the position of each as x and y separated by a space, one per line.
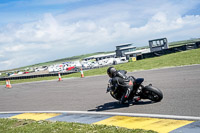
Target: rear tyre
152 93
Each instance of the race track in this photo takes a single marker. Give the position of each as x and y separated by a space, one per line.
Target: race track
180 86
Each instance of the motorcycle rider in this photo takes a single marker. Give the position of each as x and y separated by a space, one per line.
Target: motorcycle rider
119 79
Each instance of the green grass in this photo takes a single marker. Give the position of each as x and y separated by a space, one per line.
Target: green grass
80 57
31 126
176 59
183 42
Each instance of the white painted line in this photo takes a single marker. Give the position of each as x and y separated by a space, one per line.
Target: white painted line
105 74
114 113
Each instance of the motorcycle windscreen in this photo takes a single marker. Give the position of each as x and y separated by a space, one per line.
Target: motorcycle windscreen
139 80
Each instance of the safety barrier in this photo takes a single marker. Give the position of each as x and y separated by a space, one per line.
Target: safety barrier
169 51
139 57
35 76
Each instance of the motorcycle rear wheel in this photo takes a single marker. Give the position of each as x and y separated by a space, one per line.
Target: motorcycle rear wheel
152 93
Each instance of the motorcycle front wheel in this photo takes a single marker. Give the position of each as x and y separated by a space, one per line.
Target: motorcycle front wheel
152 93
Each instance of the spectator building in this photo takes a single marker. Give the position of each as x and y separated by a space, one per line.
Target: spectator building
158 44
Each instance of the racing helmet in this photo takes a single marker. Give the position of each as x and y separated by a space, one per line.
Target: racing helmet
111 71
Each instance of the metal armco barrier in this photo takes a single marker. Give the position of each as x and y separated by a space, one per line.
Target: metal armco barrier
139 57
169 51
35 76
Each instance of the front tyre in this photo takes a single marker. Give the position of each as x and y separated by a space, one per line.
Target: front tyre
152 93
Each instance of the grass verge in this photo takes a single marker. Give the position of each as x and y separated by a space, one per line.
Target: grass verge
31 126
176 59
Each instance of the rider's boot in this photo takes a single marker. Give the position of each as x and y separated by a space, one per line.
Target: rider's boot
125 96
128 91
137 99
122 100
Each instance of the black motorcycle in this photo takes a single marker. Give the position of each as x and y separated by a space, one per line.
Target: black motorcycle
138 92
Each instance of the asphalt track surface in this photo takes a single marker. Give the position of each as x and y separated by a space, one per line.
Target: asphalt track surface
180 86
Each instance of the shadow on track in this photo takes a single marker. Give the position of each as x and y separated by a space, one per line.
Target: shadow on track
117 105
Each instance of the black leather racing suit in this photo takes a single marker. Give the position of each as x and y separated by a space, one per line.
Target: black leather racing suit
120 80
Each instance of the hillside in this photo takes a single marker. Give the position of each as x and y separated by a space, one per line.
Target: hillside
80 57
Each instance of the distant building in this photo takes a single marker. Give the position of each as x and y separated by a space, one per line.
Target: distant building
100 57
124 48
158 44
136 53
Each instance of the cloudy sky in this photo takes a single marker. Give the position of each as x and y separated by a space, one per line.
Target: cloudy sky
35 31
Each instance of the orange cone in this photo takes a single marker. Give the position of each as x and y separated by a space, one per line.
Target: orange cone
82 75
8 85
59 79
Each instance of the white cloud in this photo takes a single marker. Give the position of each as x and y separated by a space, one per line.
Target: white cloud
14 48
95 28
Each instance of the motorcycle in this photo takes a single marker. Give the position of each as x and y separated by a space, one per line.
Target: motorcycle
138 92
